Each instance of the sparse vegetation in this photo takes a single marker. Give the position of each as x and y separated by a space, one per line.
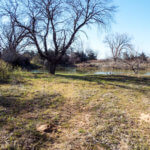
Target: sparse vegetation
81 112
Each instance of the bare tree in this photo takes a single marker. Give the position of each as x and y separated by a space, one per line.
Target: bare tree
12 41
117 44
54 25
12 38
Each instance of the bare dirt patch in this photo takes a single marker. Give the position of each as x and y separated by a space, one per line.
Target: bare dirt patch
145 117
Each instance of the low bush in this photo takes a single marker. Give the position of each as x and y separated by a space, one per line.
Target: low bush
5 70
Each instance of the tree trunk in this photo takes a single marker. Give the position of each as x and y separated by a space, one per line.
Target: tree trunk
115 59
52 68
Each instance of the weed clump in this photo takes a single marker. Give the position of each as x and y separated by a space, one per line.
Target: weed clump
5 71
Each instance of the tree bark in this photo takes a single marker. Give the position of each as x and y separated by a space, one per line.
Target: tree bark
115 59
52 68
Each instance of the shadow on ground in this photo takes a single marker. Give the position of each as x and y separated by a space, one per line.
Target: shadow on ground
119 81
13 106
18 118
111 78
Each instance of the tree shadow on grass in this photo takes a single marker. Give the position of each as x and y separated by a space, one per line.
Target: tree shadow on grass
14 106
20 117
112 78
4 82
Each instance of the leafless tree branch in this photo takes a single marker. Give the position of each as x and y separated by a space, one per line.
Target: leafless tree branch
53 25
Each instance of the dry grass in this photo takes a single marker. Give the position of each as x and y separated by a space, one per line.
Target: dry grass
84 112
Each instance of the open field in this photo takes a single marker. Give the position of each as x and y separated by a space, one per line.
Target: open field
84 112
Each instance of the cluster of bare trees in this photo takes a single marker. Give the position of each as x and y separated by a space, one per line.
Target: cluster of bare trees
51 26
123 51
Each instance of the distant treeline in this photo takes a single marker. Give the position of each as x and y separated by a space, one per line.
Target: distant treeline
32 60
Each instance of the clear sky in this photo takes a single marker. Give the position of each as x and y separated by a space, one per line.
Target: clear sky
133 18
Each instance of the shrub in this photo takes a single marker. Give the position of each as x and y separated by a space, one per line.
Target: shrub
5 70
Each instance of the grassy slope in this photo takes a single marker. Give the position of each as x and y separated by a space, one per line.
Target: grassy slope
85 112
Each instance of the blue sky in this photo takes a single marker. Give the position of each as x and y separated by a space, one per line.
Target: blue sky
133 18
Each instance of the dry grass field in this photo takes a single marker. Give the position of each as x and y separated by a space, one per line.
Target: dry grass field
70 112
